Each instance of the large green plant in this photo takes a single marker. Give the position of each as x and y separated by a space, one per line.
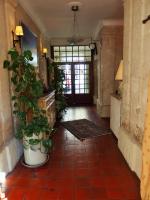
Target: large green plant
57 85
27 90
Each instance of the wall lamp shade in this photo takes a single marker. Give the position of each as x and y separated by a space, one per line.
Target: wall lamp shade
44 50
18 32
119 74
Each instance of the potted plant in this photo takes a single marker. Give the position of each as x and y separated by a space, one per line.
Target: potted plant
57 85
33 128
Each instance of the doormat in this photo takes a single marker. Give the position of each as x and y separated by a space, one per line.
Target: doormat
84 129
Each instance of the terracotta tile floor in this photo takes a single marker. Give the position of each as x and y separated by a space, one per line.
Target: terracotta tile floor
90 170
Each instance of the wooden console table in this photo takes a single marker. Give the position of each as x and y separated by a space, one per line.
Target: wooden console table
47 103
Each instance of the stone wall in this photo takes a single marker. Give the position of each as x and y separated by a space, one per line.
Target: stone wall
6 123
136 67
136 75
10 14
110 55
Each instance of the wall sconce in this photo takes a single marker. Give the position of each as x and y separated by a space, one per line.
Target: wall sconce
119 77
19 33
119 74
146 19
44 51
93 46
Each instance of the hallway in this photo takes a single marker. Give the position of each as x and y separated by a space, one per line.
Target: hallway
90 170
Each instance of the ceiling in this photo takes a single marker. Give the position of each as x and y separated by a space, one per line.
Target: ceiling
55 18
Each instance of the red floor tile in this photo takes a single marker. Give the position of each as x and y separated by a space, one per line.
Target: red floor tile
76 170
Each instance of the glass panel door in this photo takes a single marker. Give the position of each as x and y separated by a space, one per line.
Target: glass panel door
77 82
81 78
67 84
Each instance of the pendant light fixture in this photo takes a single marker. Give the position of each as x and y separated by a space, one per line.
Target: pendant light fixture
75 7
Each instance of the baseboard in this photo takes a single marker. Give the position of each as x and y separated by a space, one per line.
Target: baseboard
131 151
9 155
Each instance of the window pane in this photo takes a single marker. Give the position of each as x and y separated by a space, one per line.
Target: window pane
68 67
76 71
68 48
86 91
69 59
81 67
75 48
76 66
62 48
75 59
88 53
77 82
87 48
68 71
81 53
87 58
82 72
86 76
81 86
62 59
56 54
56 48
81 91
87 81
75 53
86 85
81 48
82 82
77 77
68 77
86 67
63 54
77 91
81 59
77 86
69 54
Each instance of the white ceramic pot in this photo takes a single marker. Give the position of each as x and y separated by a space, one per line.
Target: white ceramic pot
34 156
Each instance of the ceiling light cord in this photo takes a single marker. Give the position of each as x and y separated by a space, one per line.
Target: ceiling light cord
74 25
75 9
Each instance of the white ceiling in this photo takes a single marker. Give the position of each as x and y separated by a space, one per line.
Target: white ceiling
55 18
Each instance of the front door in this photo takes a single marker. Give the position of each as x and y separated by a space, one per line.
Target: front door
78 83
76 61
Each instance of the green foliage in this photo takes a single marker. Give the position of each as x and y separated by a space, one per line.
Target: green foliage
27 89
57 85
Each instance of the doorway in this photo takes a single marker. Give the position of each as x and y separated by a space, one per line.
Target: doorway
76 62
77 83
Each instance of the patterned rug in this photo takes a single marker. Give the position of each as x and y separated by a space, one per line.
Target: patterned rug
84 128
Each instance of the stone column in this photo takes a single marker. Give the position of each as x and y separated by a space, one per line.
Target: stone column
136 74
111 38
8 151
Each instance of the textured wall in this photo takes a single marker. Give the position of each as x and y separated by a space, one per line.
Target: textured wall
136 67
110 54
7 18
10 14
21 15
